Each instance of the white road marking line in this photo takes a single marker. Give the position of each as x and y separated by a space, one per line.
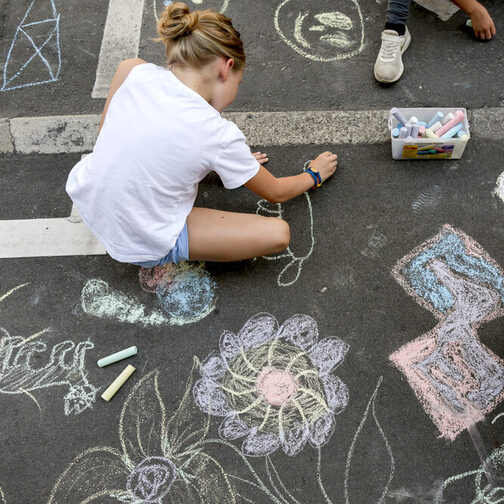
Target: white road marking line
121 38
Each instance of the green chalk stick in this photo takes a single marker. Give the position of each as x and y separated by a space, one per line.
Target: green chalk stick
123 354
469 23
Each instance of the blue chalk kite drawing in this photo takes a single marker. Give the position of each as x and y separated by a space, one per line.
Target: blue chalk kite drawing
449 247
48 52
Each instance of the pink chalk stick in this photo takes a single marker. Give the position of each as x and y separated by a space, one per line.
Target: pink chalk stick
421 131
459 116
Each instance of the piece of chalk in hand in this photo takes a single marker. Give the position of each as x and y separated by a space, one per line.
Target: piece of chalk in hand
118 383
123 354
469 23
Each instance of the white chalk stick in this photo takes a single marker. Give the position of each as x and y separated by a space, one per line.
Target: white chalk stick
118 383
123 354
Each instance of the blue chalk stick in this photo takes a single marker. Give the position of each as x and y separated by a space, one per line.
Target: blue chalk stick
123 354
462 133
422 123
395 132
453 131
437 117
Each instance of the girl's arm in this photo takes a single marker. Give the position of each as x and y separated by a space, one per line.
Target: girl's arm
120 75
482 23
277 190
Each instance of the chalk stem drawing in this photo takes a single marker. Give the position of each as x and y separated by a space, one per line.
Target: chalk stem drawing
43 52
484 493
2 497
371 407
264 207
66 366
499 187
456 378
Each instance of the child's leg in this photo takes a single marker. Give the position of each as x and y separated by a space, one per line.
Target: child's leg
397 15
215 235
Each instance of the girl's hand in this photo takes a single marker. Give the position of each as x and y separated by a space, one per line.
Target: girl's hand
482 23
261 157
325 163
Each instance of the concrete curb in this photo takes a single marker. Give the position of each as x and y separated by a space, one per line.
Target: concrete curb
77 133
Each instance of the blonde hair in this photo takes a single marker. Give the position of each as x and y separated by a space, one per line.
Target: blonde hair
196 38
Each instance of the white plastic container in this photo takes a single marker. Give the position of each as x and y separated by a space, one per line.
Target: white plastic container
417 148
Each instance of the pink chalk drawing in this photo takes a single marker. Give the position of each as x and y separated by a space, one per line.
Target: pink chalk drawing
456 378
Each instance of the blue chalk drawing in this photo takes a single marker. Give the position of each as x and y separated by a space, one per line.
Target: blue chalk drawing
452 250
48 52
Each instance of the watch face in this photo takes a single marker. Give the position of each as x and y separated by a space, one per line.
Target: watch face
318 32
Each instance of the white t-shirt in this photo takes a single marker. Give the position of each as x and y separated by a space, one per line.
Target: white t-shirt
159 140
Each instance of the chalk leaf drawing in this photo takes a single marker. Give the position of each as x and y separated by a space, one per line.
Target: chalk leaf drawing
161 459
319 34
291 272
274 385
484 492
358 480
218 5
65 366
456 378
34 56
185 293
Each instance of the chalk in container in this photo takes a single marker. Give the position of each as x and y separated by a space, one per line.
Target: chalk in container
123 354
118 383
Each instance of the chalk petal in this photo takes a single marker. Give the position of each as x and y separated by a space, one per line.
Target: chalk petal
294 440
336 393
301 330
209 396
327 354
233 428
258 330
260 444
321 430
214 367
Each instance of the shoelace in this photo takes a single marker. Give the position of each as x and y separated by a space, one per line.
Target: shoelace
388 49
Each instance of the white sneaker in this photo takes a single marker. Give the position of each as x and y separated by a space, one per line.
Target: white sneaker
389 66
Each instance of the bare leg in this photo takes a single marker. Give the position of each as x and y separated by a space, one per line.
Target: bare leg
215 235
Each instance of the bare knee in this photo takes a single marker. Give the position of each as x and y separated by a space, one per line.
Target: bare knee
281 235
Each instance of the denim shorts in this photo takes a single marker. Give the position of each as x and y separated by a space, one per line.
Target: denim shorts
179 253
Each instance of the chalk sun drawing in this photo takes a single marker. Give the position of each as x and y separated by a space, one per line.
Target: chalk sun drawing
456 378
273 385
318 34
35 49
65 366
161 459
371 408
291 272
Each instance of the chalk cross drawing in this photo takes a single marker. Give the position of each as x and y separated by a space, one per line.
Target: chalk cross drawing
30 51
456 378
318 34
65 366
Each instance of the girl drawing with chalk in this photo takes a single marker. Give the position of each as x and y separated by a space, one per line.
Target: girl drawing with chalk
161 134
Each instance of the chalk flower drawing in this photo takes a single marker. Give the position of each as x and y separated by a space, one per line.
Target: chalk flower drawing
457 379
35 49
65 366
319 34
274 385
161 459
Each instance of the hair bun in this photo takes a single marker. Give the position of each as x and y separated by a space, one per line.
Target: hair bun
177 21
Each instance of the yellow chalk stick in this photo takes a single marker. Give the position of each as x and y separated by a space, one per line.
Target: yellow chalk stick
430 134
118 383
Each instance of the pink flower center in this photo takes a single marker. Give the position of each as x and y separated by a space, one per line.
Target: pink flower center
276 386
